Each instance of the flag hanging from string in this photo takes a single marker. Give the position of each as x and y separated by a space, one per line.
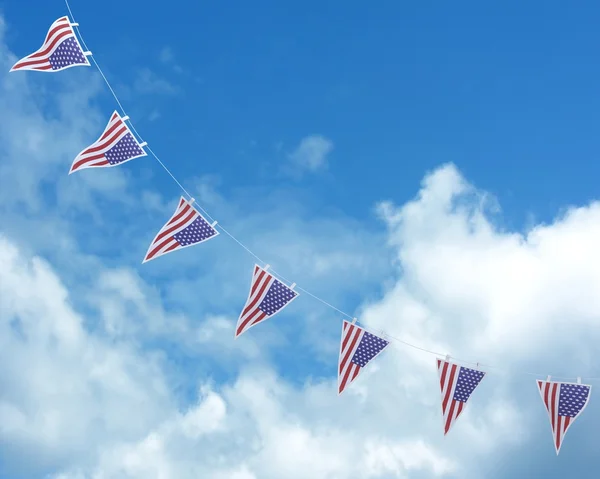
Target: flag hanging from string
116 146
60 50
186 228
357 348
564 403
266 298
457 383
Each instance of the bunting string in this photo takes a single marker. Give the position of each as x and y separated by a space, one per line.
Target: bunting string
254 255
270 292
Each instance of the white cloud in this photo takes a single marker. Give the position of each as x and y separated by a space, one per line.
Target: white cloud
148 81
311 154
166 55
261 426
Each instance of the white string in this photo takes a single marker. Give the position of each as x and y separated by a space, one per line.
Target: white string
248 250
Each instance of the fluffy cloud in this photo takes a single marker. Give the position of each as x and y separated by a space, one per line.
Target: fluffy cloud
311 154
259 425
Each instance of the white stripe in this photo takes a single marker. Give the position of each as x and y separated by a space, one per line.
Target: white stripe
44 59
107 147
358 332
266 280
181 226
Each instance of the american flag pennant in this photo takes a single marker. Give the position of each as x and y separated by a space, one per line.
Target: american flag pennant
186 228
357 348
60 50
564 403
267 297
457 383
116 146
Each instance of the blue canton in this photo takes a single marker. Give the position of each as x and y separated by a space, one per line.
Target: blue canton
468 379
369 346
572 398
124 149
67 53
197 231
276 298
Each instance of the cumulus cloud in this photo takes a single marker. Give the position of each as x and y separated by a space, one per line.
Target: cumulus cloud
149 82
261 426
312 153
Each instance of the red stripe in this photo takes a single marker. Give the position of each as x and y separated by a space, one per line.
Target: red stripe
101 144
449 418
546 396
163 244
241 327
34 59
173 246
67 30
356 371
248 312
347 335
355 337
557 433
176 223
249 318
443 381
86 155
350 370
60 22
85 161
263 286
109 130
255 283
154 252
450 383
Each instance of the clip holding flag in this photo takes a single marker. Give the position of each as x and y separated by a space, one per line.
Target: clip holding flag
457 383
267 297
185 228
564 402
116 146
357 348
60 50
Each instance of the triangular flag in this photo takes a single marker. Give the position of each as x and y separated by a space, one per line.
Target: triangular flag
116 146
457 383
266 298
564 403
60 50
186 228
357 348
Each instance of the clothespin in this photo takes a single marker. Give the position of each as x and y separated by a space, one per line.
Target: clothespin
354 320
548 379
267 266
578 380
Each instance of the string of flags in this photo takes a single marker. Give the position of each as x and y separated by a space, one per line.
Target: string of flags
564 401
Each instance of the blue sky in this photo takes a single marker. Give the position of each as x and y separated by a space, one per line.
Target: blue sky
430 168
